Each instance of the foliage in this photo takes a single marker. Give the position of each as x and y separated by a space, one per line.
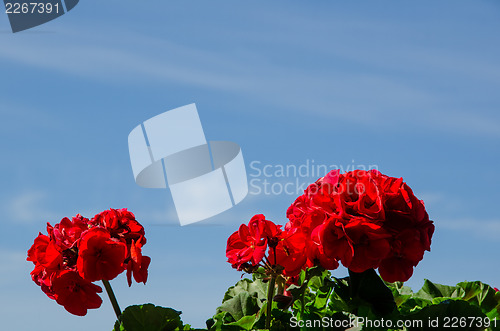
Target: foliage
322 302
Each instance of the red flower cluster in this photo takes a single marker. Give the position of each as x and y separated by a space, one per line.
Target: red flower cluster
363 219
246 248
248 245
80 251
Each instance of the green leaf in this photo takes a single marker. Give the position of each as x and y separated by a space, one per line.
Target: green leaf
400 293
256 288
240 306
399 289
440 316
341 289
302 276
260 273
407 301
222 321
246 322
317 271
243 304
296 290
476 293
483 296
431 290
281 320
369 287
149 317
337 304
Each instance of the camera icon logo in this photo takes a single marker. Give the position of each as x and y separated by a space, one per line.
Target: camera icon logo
205 178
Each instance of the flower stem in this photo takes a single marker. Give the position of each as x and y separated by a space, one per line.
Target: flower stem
270 295
112 298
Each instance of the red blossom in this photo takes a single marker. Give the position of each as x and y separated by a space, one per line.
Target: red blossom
368 220
76 294
249 243
335 241
138 264
370 243
67 232
45 253
290 253
316 256
120 223
99 256
363 219
43 278
77 252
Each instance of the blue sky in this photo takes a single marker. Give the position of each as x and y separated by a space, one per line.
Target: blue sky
411 88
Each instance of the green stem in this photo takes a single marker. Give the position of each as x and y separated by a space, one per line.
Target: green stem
281 285
112 298
270 295
302 298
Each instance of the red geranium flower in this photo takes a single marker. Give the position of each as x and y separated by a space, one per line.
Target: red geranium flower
120 223
321 193
290 252
364 219
42 277
67 232
316 256
406 251
76 294
138 264
249 243
369 242
45 253
77 252
359 195
335 241
99 256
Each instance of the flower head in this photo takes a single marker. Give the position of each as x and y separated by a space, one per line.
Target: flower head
78 251
76 294
365 220
99 256
249 243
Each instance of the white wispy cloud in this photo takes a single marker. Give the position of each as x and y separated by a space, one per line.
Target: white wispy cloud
33 206
379 98
28 207
21 116
14 265
481 228
89 54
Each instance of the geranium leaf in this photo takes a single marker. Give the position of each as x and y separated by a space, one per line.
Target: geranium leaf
149 317
245 323
431 290
368 286
243 304
483 296
256 289
440 314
